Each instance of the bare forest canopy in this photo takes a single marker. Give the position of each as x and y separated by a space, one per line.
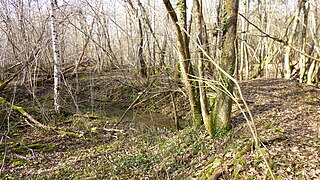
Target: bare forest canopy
106 34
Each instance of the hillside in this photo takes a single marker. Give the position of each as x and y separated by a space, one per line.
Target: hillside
286 113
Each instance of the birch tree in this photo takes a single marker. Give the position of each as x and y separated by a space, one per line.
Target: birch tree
56 57
243 48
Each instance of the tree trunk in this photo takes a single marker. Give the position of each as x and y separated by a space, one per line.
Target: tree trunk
221 113
305 48
287 65
56 57
184 57
243 50
201 30
312 76
143 69
163 51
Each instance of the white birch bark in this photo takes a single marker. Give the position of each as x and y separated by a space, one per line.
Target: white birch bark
56 57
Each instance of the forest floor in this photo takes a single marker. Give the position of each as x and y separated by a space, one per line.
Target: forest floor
145 144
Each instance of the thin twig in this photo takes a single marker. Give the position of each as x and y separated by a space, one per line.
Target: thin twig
266 34
279 40
303 53
132 104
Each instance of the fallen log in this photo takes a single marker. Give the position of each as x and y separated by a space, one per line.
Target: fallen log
24 113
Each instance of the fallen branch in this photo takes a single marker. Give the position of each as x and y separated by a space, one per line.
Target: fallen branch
86 116
4 84
24 113
69 133
114 130
13 66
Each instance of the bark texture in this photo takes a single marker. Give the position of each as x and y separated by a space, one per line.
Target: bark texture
186 70
56 57
221 112
287 64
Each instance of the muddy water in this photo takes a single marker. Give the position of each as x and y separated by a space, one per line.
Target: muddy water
147 118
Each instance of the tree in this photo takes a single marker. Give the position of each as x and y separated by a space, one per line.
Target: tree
143 69
56 57
313 72
141 61
306 48
243 49
201 39
287 65
180 25
221 113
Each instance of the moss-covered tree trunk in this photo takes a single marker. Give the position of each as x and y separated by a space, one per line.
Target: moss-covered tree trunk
180 25
221 112
201 40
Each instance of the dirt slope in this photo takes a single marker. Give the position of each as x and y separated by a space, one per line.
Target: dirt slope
287 116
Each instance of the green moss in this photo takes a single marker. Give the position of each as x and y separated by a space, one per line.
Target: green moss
198 120
212 101
277 129
206 174
282 136
310 97
241 161
18 162
271 165
2 100
49 148
238 159
217 161
70 134
20 150
268 125
235 173
36 146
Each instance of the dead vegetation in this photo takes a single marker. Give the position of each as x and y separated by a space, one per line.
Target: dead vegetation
146 144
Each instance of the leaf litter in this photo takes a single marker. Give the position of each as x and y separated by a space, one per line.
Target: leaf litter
286 113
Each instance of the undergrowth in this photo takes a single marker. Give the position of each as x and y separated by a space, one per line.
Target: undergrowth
145 145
